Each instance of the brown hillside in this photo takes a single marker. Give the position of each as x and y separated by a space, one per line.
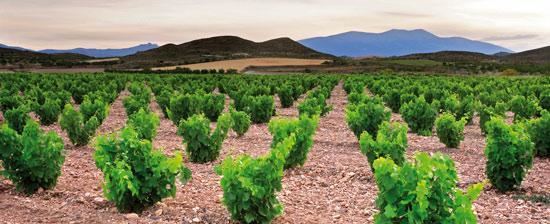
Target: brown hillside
221 48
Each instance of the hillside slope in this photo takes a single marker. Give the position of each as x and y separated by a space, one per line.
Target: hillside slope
13 57
535 56
222 48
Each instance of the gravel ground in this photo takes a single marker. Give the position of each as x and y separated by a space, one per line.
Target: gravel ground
334 186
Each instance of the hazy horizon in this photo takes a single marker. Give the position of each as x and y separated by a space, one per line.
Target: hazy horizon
64 24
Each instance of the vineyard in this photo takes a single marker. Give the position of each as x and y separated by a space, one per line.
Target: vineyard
371 148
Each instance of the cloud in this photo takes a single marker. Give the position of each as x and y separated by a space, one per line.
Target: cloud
510 38
406 14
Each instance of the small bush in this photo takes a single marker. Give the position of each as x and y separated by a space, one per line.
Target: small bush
420 116
422 191
96 108
241 122
17 118
49 111
249 185
78 129
212 105
486 112
203 146
303 129
183 106
450 131
260 108
393 100
539 130
509 154
136 176
366 117
390 142
145 124
32 160
523 108
285 94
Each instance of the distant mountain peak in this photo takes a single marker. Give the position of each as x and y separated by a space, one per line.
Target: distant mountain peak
104 53
395 42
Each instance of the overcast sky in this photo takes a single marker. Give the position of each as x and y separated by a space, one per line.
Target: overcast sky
40 24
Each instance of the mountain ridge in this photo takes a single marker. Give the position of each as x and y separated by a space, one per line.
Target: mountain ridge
395 42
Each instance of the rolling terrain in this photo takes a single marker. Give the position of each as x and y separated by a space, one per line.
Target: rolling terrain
220 48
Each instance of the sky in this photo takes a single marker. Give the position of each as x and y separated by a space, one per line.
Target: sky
63 24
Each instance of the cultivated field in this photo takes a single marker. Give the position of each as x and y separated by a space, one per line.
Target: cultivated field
335 184
242 64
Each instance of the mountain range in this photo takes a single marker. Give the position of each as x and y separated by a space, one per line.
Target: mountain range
104 53
395 42
92 52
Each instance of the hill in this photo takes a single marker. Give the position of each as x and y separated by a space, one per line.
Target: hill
12 57
221 48
535 56
395 43
452 56
104 53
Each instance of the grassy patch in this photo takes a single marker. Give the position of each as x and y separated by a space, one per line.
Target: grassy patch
535 198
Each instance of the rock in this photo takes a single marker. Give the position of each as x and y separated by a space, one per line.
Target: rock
40 190
80 199
98 200
87 194
131 216
162 205
158 212
196 219
336 216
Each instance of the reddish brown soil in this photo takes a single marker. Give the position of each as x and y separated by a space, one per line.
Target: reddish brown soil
334 186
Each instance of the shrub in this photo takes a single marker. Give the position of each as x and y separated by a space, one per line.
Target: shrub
423 191
78 129
450 131
393 100
419 115
544 100
466 109
145 124
136 176
96 108
486 112
285 94
212 105
366 117
203 146
32 160
249 185
140 98
303 129
509 154
133 104
523 108
539 131
260 108
241 122
17 118
49 111
390 142
183 106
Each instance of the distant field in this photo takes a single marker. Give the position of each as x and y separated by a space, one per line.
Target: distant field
416 62
241 64
102 60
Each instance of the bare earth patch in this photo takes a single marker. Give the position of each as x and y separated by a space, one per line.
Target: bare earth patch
241 64
335 185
